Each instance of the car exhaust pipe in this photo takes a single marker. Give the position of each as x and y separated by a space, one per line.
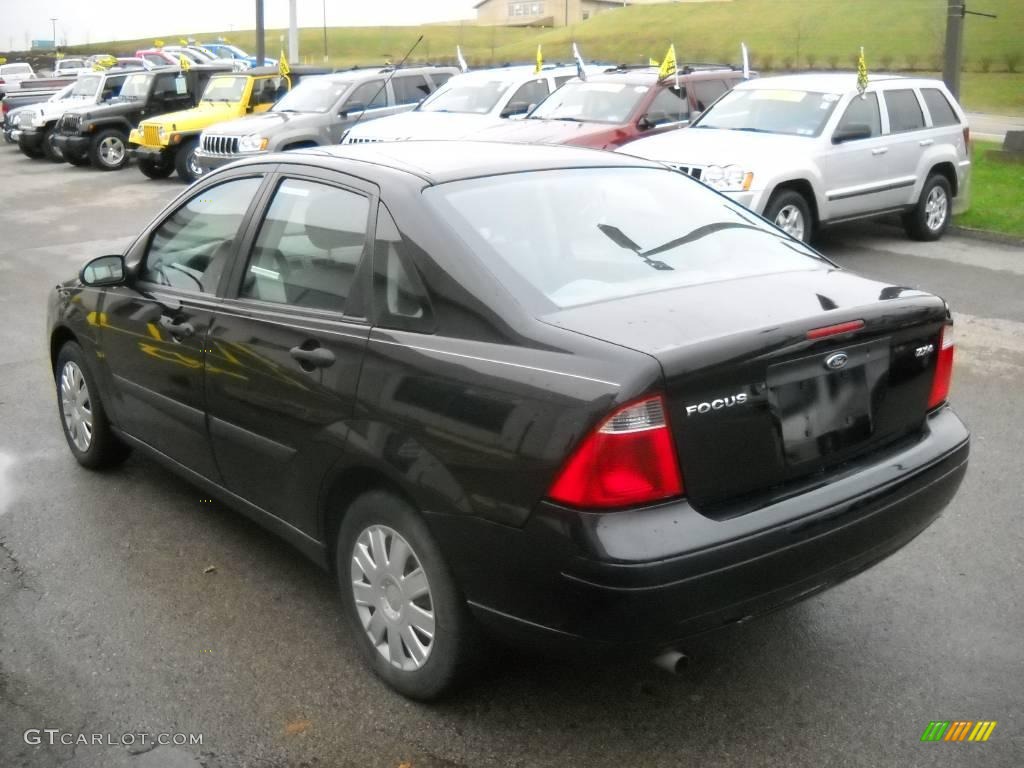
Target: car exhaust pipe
673 662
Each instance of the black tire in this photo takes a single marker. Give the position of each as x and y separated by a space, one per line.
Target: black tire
34 152
455 645
108 150
79 160
103 449
782 205
924 224
155 170
185 161
50 151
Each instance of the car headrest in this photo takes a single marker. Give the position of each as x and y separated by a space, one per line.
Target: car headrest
323 227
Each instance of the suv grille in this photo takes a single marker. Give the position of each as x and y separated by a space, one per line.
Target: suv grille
220 145
689 170
151 134
69 123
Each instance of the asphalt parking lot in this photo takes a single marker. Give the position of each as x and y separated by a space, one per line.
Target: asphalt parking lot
109 622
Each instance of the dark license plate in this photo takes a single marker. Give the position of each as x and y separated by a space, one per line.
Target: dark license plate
822 410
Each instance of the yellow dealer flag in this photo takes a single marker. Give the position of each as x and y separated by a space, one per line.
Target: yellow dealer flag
158 43
668 66
282 65
540 61
184 64
862 73
183 41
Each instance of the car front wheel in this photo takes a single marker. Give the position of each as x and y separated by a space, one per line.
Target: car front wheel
50 150
82 415
930 217
186 163
788 210
409 617
108 151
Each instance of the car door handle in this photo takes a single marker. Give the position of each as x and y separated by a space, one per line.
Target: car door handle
318 357
879 151
178 329
926 142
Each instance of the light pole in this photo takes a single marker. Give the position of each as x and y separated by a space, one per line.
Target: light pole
53 25
325 31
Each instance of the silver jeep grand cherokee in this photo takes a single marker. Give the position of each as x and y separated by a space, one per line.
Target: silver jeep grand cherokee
318 111
806 151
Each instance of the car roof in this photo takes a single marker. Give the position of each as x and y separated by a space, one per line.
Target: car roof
831 82
437 162
363 73
516 72
296 70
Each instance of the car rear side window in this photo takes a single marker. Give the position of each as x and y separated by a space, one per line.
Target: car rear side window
401 299
440 78
938 107
668 107
410 89
706 91
309 246
579 236
863 111
191 248
371 95
904 111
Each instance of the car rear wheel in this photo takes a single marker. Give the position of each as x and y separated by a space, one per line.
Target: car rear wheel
85 423
930 217
788 210
154 169
409 617
50 150
108 150
186 163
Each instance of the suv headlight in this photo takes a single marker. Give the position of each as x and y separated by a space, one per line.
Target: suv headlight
38 120
727 178
252 143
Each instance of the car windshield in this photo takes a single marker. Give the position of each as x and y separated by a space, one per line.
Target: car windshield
473 96
591 102
136 86
63 93
225 89
585 235
85 87
771 110
314 94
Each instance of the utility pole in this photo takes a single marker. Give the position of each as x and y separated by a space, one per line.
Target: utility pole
955 10
293 33
261 44
325 32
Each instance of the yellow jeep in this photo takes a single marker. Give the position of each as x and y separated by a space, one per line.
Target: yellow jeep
168 143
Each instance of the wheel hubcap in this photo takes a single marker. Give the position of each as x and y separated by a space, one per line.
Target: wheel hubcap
392 596
791 221
193 165
76 406
112 151
935 208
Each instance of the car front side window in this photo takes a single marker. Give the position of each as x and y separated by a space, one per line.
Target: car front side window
189 251
862 111
369 95
309 247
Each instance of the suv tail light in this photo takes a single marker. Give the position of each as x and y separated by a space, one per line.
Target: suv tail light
629 459
943 369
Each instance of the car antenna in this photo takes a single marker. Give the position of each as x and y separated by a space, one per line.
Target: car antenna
388 79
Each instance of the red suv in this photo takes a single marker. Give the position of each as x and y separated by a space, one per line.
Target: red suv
622 104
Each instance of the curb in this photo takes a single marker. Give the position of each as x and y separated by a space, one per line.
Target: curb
984 234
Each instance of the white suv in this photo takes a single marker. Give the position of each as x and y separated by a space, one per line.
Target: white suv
469 103
806 151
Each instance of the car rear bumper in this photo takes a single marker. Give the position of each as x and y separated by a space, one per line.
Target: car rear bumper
652 577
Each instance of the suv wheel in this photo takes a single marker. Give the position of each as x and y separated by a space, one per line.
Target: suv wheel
410 619
155 170
108 150
930 217
186 163
788 210
85 422
51 151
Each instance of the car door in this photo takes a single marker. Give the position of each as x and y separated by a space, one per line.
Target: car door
153 330
857 175
906 130
369 99
289 339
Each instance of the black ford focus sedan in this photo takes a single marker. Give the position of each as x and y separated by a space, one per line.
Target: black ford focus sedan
549 394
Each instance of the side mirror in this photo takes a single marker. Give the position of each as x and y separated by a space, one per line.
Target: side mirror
651 120
851 132
103 271
351 109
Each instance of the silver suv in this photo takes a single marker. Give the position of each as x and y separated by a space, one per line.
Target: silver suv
806 151
318 111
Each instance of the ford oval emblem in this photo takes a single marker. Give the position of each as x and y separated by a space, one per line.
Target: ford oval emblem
837 361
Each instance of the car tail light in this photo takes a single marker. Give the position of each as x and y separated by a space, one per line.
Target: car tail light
943 369
629 459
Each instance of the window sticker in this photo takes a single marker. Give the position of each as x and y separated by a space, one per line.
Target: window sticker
180 85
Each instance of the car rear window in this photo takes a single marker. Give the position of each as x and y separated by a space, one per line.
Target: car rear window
942 114
904 111
578 236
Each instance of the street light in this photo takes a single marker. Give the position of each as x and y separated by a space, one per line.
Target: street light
325 31
53 24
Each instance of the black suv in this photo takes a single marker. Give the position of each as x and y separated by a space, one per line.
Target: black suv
98 134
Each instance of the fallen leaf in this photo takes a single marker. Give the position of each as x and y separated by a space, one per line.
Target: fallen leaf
296 727
210 569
